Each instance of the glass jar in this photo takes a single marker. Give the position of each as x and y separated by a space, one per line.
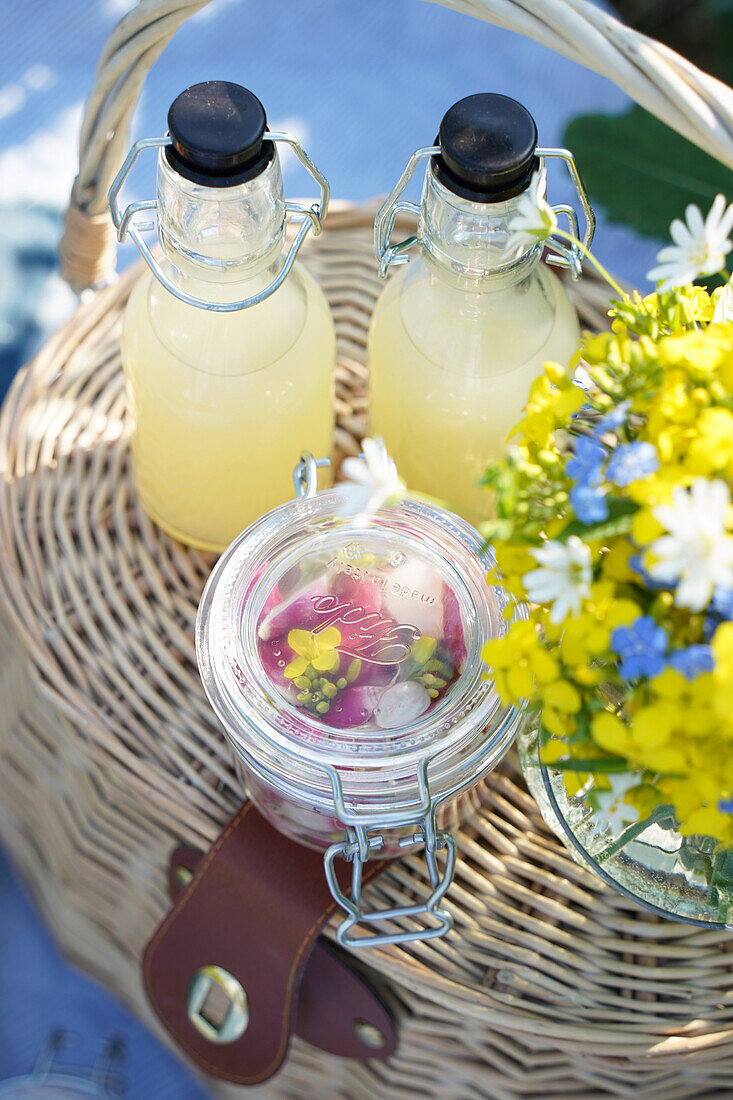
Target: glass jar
342 655
688 878
228 346
459 336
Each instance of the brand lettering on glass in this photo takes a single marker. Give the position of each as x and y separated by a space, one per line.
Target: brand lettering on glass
372 638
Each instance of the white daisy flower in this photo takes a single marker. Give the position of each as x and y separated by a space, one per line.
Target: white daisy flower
697 554
534 219
699 248
613 813
563 579
723 305
372 480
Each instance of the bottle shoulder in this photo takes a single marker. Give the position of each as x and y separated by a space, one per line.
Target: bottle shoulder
465 331
226 343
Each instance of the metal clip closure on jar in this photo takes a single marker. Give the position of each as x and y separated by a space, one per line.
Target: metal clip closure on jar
485 154
342 651
220 204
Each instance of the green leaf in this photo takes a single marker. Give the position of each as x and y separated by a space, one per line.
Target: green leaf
722 875
662 815
496 530
597 765
692 860
620 513
642 173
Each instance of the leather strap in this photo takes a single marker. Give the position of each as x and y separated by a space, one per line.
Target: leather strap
254 908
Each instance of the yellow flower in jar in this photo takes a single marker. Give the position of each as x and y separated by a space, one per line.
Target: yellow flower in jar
314 650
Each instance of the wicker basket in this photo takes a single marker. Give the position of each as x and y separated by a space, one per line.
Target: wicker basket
550 985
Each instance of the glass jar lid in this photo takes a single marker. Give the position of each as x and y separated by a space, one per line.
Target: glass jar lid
354 642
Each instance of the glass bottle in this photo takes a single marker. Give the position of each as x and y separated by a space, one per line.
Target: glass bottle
457 338
228 346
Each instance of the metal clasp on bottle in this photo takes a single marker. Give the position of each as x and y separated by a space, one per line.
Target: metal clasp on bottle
310 218
563 253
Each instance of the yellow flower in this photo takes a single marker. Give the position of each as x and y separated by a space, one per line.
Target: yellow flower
701 305
548 406
698 352
651 728
711 450
581 640
645 528
563 696
518 661
422 650
722 647
673 402
553 750
574 782
658 488
691 702
695 798
611 734
316 650
588 634
557 374
560 701
707 821
615 562
512 562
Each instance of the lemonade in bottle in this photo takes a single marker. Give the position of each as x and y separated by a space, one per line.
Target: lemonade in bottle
228 345
458 336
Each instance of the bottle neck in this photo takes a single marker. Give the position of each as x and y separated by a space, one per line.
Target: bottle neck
225 235
466 243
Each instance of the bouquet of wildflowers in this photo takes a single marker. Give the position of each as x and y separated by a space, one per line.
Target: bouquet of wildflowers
614 522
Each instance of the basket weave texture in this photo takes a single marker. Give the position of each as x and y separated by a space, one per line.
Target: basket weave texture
550 984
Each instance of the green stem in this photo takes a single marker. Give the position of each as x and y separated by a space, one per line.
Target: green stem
630 833
557 232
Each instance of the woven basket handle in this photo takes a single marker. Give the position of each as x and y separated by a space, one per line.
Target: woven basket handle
691 102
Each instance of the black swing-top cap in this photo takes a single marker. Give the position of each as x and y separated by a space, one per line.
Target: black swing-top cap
217 133
488 148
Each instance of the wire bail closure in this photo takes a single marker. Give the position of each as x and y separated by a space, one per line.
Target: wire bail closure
362 841
310 218
363 838
563 254
305 474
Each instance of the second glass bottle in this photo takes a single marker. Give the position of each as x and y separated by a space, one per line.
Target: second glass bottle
457 338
